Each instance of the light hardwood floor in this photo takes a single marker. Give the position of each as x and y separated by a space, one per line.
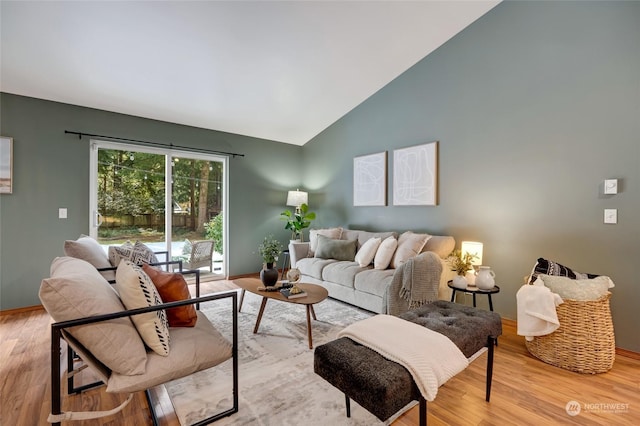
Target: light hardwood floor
525 390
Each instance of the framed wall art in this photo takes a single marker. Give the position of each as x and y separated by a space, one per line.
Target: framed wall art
370 180
6 165
415 175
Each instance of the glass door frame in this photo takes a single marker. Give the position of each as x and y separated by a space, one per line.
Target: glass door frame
94 217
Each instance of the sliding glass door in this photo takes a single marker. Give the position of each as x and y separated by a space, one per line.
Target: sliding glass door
169 200
198 200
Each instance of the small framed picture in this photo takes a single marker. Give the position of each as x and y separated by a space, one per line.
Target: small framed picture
415 175
370 180
6 165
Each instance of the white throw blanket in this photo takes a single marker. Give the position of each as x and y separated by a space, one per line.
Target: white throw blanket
537 314
431 358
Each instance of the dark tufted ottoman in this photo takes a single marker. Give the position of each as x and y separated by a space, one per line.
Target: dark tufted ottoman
385 387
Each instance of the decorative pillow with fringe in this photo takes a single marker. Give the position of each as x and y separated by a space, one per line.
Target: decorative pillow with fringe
548 267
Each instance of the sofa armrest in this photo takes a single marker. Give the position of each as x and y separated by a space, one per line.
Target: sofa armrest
298 251
444 292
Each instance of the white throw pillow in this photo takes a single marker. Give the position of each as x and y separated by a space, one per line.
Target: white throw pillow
333 233
137 290
385 252
587 289
88 249
367 252
409 245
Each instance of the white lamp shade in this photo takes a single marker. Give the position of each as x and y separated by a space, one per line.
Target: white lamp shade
297 198
473 247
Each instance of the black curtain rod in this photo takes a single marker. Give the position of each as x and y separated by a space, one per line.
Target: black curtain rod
186 148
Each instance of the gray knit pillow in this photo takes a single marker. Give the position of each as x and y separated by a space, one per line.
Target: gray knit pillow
336 249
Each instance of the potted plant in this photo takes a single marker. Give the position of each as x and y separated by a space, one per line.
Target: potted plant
461 264
269 249
297 221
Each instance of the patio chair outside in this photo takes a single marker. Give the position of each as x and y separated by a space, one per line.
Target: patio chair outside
201 255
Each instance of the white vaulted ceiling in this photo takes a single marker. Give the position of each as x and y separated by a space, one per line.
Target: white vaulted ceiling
282 71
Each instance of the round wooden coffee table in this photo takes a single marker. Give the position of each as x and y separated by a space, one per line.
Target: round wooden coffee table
315 294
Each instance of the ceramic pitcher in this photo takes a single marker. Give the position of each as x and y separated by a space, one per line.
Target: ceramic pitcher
485 279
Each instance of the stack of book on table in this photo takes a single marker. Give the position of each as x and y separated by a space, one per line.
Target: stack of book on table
286 292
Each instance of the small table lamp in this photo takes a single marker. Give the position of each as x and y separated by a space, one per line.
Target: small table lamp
297 198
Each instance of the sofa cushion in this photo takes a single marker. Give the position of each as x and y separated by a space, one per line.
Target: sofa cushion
385 253
88 249
334 233
342 273
374 281
329 248
440 245
409 245
137 291
137 253
567 288
367 252
313 266
193 349
76 290
172 288
364 236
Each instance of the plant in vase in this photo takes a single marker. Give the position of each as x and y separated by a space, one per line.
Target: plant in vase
298 221
461 264
269 249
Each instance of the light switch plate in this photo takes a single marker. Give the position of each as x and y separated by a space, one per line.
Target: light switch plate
62 213
610 215
611 186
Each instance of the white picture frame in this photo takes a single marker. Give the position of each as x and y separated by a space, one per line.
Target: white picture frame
415 175
370 180
6 165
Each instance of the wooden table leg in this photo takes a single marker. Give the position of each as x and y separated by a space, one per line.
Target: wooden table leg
309 309
313 313
241 299
262 305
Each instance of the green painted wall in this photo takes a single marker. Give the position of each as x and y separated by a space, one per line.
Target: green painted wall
534 105
51 170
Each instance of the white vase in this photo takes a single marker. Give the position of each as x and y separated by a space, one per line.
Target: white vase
459 281
471 277
486 278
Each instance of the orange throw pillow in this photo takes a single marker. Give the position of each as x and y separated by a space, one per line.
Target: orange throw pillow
172 288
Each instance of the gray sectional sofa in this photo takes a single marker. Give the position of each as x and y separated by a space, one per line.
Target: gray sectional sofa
418 262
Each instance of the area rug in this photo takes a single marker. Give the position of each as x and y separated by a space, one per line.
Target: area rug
277 385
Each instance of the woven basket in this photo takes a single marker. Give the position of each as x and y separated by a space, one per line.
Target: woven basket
584 342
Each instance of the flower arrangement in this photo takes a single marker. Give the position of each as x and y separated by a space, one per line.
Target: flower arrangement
269 249
459 263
